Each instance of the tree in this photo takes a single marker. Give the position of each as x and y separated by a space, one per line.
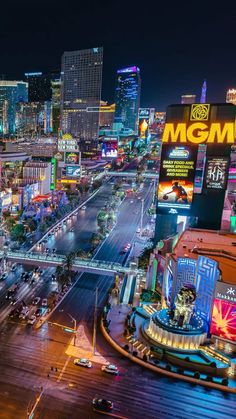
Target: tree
31 224
18 233
80 253
69 263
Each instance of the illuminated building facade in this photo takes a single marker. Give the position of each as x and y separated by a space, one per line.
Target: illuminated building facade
11 93
188 99
81 73
56 102
106 115
127 98
231 96
39 86
34 117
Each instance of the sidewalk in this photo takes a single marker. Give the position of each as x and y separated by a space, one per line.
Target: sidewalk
115 336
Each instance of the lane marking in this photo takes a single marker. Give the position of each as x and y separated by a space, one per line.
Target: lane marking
63 369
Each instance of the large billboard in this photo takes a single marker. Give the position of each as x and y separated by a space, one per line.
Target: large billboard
223 322
73 171
176 180
216 173
67 143
53 174
110 147
144 115
72 158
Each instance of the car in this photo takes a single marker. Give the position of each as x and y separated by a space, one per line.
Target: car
14 266
3 276
110 369
83 362
131 201
102 404
31 320
14 301
138 230
23 275
83 207
71 230
53 277
48 250
27 276
24 313
13 313
39 312
36 269
36 301
54 250
44 302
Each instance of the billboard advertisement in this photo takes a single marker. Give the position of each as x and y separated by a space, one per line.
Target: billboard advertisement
143 128
216 173
109 147
72 158
176 181
223 323
73 171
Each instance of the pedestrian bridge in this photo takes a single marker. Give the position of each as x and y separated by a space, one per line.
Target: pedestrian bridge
146 175
91 266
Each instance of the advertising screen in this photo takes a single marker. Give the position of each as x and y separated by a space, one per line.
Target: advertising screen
176 181
72 158
216 173
223 323
73 171
110 148
143 127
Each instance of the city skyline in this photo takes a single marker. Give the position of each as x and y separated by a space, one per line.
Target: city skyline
175 50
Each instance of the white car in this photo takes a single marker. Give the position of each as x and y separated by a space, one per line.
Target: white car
83 362
31 320
44 302
83 207
36 301
24 313
138 230
110 369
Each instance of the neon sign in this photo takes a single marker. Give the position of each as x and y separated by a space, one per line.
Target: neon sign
199 132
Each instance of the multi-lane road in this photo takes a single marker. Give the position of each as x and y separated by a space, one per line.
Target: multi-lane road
27 355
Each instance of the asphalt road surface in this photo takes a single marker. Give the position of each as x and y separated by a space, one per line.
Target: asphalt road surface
27 355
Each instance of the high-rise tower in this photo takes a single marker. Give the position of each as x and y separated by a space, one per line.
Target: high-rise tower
127 97
81 74
203 92
11 93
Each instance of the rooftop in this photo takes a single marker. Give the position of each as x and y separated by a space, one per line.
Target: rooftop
218 246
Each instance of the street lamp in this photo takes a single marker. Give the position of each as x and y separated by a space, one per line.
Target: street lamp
141 221
75 326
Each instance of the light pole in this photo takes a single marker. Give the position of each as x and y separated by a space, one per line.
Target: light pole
75 326
95 321
141 221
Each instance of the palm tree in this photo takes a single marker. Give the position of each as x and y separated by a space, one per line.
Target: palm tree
69 262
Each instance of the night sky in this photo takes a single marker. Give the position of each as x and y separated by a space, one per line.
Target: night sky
176 44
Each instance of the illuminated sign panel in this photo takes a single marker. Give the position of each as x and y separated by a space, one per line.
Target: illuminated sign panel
175 189
200 112
223 322
216 172
199 132
53 173
73 171
72 158
69 144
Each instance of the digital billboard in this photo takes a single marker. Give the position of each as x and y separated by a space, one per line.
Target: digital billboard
216 173
73 171
223 322
176 180
67 143
110 147
143 128
72 158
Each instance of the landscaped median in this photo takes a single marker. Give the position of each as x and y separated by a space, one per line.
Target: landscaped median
112 331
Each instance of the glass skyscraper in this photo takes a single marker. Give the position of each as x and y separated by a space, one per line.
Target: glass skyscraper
81 77
11 93
127 98
39 86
